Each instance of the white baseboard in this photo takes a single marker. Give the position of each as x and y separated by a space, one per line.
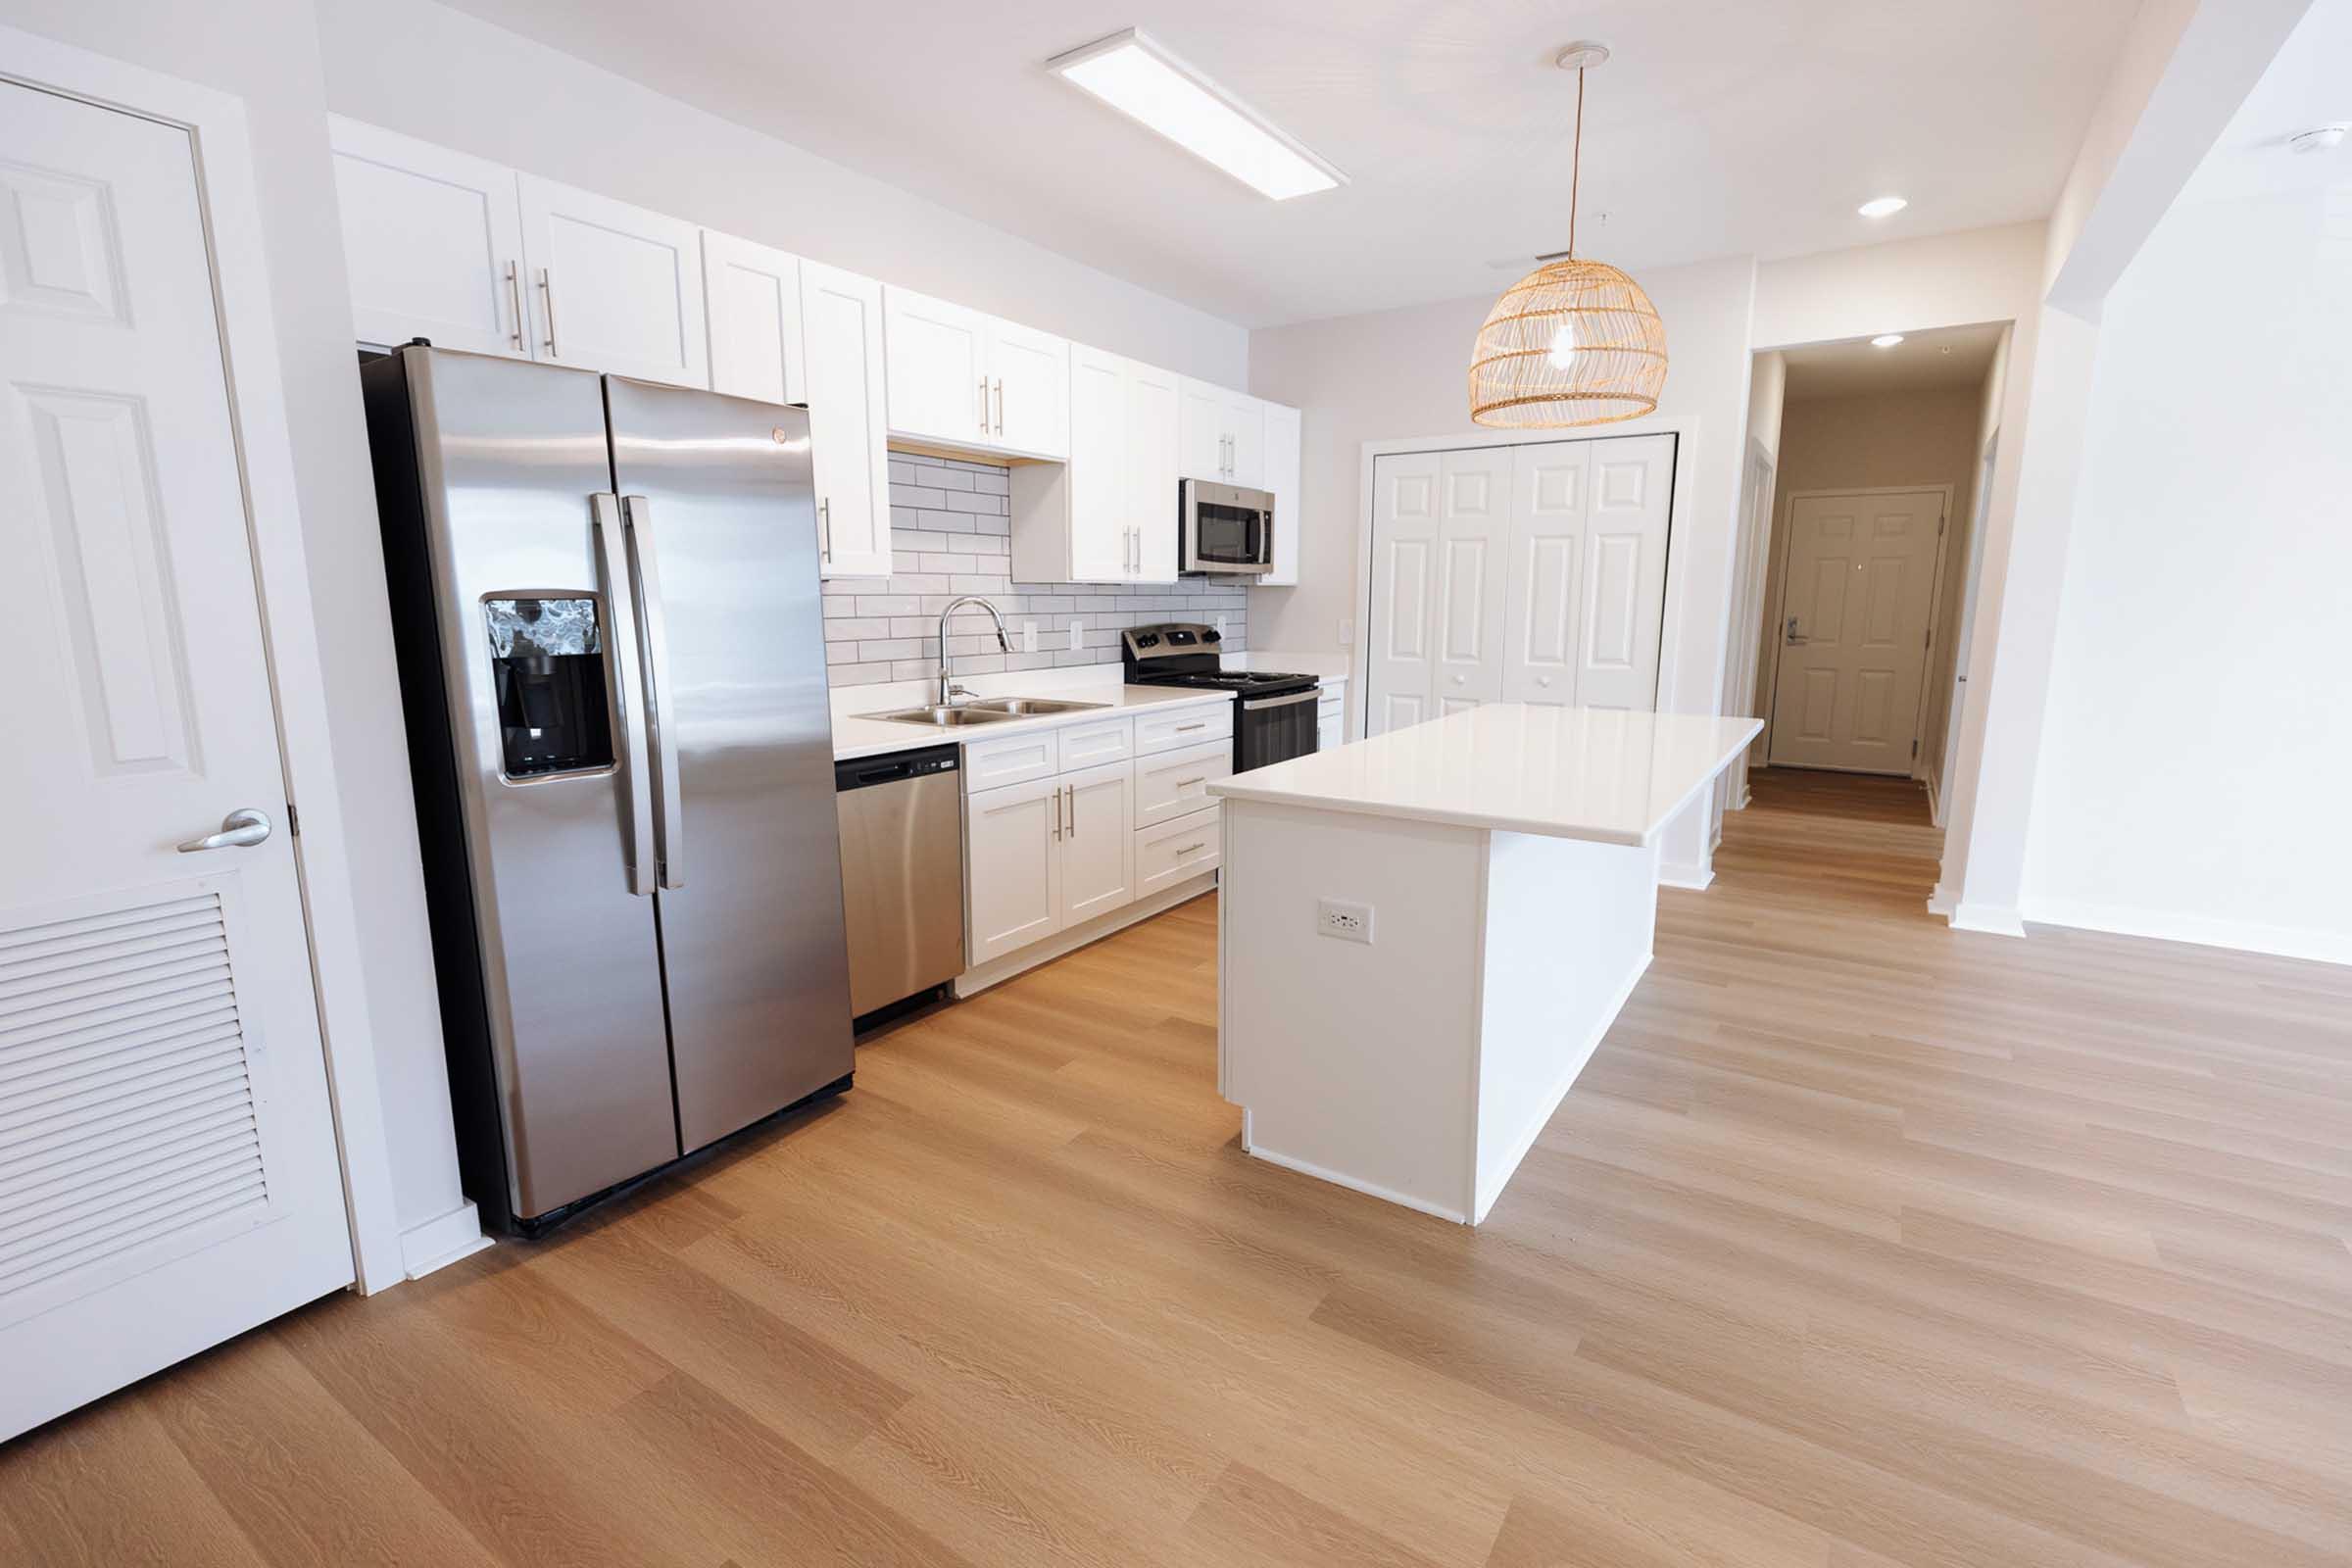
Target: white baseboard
1935 802
973 981
1578 1060
1696 878
2167 925
1369 1189
1993 919
441 1242
1944 900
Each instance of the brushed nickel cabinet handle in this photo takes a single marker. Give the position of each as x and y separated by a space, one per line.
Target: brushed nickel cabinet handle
984 405
825 528
999 408
1191 849
515 299
1182 729
547 291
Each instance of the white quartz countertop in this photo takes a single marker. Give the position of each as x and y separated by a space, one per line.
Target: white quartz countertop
857 736
1592 773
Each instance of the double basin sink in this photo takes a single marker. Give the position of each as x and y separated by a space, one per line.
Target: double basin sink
981 711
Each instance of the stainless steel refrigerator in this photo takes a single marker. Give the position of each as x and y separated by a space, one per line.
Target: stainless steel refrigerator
604 600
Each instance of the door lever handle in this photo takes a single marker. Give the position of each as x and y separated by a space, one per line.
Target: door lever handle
238 830
1789 633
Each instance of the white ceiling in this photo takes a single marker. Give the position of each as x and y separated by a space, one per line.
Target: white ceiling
1946 359
1722 127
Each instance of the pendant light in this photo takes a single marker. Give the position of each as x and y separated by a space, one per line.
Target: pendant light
1573 342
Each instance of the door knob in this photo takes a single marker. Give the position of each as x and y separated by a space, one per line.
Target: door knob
238 830
1462 680
1542 681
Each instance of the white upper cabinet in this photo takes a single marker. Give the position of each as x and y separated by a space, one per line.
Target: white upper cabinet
965 379
432 240
1282 472
615 287
753 297
1109 515
1154 427
938 357
849 418
1101 536
1029 376
1224 435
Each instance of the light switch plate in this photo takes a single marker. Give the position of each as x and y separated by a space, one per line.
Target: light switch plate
1347 633
1077 637
1028 636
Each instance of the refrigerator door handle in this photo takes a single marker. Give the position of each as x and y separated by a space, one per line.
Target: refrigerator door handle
620 658
646 578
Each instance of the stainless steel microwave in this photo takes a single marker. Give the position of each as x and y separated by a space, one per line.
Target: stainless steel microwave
1225 528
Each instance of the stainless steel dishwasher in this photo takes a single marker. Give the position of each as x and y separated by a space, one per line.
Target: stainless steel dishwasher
901 873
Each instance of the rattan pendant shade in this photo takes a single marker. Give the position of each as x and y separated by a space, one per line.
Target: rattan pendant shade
1573 342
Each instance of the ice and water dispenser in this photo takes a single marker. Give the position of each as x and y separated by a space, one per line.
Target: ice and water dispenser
547 657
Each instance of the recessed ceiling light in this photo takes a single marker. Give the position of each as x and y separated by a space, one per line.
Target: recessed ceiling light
1882 207
2320 139
1135 76
1886 340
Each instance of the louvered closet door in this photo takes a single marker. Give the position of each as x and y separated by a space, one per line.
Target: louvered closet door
167 1167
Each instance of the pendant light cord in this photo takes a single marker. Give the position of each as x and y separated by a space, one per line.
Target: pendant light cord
1576 166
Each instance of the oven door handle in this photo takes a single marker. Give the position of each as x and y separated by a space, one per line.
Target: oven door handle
1255 704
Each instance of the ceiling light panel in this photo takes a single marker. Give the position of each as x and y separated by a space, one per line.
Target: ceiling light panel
1882 207
1886 340
1135 76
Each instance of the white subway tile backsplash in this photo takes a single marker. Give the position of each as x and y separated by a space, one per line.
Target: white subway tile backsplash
950 534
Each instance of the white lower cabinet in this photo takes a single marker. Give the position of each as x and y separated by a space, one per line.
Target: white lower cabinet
1012 868
1098 843
1174 784
1066 825
1178 850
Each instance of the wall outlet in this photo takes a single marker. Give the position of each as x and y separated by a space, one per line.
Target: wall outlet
1077 636
1347 633
1220 623
1349 922
1028 636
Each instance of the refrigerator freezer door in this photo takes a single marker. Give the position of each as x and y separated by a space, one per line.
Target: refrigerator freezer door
537 640
718 494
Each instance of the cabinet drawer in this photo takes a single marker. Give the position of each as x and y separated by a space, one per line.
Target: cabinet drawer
1186 726
1091 744
1328 736
1012 760
1175 851
1175 783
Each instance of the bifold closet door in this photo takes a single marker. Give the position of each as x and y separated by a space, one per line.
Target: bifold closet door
1532 573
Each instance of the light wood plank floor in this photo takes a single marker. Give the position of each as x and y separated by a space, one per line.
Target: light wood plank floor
1861 1243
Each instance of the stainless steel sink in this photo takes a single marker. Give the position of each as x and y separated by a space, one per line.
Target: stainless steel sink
1030 707
943 717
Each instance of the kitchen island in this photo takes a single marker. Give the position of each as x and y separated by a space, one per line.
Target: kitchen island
1423 936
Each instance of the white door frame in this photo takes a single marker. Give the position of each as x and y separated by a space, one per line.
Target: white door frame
232 222
1777 595
1678 518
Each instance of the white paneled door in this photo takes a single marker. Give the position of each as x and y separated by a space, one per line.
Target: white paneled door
1853 632
1404 591
1622 595
1528 574
1474 536
168 1166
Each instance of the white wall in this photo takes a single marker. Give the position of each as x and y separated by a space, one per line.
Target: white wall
2197 739
1398 374
265 53
444 76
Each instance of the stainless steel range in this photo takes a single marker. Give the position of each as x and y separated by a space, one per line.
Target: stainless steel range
1274 713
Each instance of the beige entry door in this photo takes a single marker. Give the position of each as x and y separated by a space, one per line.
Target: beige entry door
168 1175
1853 630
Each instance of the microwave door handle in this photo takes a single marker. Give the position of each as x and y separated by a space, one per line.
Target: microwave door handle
622 669
646 578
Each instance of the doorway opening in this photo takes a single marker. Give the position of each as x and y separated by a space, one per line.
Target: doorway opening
1859 554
